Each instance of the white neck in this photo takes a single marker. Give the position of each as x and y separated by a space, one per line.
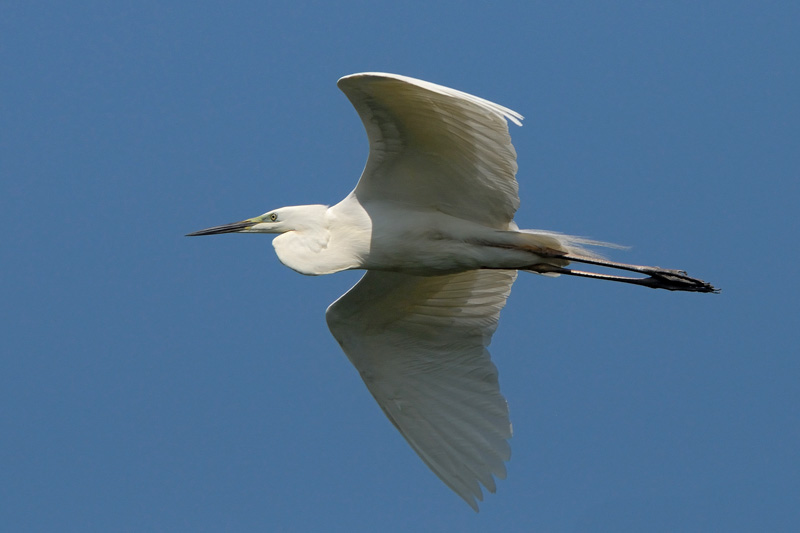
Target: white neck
308 248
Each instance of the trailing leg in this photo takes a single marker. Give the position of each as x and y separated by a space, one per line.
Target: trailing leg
657 277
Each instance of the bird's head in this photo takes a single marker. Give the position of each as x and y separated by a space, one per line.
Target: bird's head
295 218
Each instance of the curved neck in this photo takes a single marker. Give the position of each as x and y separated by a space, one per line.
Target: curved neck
308 247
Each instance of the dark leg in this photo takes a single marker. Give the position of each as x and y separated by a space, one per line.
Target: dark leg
658 278
672 280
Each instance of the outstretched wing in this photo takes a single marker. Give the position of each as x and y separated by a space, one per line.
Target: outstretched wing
435 147
419 344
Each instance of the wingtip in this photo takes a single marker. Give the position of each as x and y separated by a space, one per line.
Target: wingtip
507 113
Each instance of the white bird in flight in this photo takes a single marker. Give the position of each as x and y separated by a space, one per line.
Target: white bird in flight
431 222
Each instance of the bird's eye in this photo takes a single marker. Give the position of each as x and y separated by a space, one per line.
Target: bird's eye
273 217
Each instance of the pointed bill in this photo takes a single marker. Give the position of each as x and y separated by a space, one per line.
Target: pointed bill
235 227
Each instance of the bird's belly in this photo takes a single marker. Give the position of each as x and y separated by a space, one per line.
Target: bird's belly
434 254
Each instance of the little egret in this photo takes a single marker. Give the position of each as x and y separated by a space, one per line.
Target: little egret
431 222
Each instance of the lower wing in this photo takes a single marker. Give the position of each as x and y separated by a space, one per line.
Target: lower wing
419 344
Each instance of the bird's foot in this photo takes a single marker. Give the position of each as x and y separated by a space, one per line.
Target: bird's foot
673 280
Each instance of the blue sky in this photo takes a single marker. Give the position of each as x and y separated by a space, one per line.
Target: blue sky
150 382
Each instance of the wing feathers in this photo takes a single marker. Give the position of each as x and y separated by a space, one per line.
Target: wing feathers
419 343
435 147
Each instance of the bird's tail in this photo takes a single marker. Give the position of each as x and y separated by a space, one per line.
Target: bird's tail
554 247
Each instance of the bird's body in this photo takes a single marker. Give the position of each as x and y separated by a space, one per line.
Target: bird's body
431 221
387 237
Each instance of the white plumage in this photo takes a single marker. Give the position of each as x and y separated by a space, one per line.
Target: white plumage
431 220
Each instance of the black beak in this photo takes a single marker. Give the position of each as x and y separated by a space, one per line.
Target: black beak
226 228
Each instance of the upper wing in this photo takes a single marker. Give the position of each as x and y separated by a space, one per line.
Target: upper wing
435 147
419 344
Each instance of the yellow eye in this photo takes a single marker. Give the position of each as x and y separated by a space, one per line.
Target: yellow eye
273 217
